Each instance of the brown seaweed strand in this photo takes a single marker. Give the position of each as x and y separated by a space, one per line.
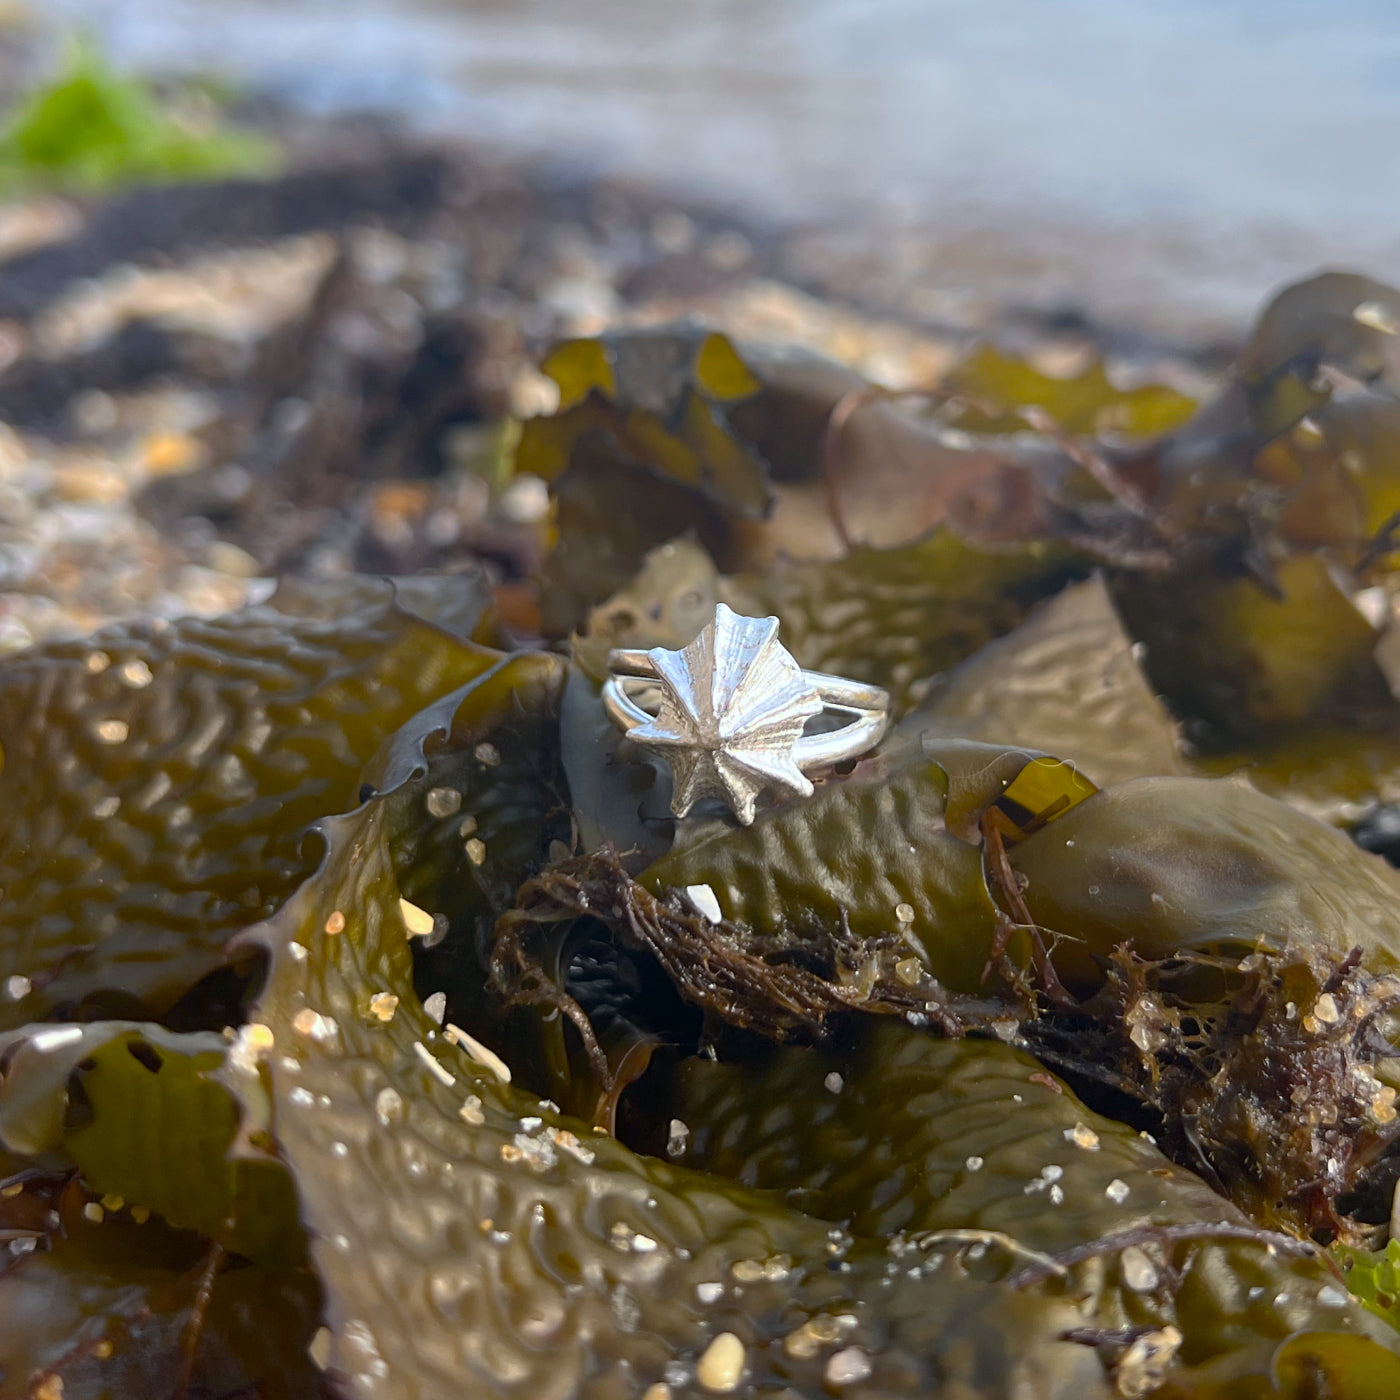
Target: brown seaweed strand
1005 877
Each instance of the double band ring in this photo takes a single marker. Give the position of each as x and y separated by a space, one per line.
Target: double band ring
730 711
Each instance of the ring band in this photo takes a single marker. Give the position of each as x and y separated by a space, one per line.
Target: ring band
868 706
731 710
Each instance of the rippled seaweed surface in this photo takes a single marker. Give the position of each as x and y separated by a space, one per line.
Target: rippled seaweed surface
369 1027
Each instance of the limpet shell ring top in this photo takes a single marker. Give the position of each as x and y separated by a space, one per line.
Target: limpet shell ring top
729 710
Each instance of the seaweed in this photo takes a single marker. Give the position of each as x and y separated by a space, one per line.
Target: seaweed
1067 681
998 388
112 1307
468 1233
876 1134
1174 865
897 617
372 1026
1270 1076
159 780
786 984
869 853
642 420
140 1113
452 1186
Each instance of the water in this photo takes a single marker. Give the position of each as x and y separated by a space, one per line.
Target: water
1202 148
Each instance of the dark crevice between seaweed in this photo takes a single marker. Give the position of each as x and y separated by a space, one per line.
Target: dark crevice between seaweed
220 999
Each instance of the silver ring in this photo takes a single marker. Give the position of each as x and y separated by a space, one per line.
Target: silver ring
730 710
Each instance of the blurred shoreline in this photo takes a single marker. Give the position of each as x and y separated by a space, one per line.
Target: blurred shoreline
205 387
1158 167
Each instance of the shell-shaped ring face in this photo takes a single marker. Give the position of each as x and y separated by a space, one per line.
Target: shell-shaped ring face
733 705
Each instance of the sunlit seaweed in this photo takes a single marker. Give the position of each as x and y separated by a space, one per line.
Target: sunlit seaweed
369 1027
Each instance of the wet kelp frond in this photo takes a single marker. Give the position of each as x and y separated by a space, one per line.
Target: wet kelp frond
1053 1191
1068 681
894 617
141 1114
1171 865
1267 1074
159 781
431 1184
105 1303
642 418
371 1025
452 1175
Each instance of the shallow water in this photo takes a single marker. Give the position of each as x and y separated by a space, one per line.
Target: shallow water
1219 145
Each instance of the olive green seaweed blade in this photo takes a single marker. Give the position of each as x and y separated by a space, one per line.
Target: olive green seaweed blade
950 1145
1193 864
141 1113
159 780
1086 402
1066 681
871 850
468 1236
663 393
897 617
472 1239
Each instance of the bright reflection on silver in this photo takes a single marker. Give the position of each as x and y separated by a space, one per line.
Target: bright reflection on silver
730 710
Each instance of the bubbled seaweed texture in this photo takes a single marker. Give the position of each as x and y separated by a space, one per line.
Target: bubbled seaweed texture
910 1136
472 1238
159 779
